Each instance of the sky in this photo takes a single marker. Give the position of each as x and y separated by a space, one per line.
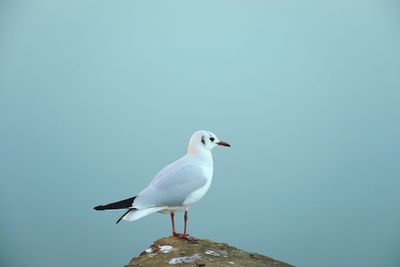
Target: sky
97 96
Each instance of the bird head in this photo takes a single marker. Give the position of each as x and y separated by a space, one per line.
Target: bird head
204 140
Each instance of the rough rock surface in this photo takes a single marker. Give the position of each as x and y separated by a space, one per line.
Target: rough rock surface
170 251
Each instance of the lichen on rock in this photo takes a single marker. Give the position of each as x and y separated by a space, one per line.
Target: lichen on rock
171 251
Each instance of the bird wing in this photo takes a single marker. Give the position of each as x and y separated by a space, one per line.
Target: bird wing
171 188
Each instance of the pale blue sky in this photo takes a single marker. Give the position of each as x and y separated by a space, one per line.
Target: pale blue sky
97 96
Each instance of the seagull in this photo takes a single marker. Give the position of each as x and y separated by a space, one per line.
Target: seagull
177 186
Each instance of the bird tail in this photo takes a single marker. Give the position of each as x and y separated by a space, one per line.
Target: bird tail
133 214
122 204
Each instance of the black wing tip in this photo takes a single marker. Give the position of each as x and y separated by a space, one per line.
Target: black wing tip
122 204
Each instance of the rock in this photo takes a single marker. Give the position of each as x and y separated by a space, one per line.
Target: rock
171 251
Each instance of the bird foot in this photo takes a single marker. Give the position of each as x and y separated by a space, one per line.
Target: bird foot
184 236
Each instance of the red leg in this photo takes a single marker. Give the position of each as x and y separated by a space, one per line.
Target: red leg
173 224
186 219
184 235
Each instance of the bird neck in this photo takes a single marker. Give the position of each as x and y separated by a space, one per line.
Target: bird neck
201 153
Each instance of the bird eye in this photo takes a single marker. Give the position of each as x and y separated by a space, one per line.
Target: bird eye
212 139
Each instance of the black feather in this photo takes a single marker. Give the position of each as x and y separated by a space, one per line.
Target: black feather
123 204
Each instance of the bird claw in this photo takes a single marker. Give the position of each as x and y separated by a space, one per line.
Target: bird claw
183 236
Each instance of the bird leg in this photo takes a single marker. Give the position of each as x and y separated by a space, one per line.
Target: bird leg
173 224
184 229
184 235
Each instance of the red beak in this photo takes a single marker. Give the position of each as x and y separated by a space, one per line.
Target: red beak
222 143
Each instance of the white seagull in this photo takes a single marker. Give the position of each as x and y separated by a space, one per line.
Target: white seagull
177 186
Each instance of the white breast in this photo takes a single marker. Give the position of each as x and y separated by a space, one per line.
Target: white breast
199 193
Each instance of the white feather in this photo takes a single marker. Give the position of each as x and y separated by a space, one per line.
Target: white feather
137 214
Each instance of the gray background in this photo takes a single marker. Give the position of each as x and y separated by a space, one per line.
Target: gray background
97 96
